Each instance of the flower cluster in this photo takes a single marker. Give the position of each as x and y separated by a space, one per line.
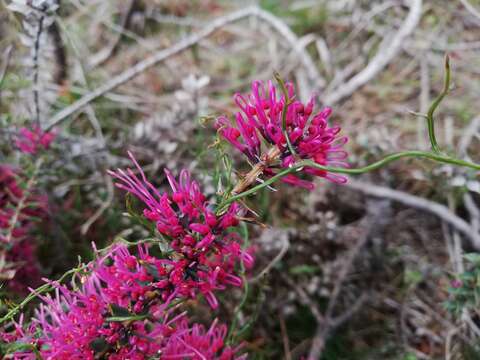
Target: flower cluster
205 253
120 305
116 313
30 141
18 210
192 342
125 304
260 122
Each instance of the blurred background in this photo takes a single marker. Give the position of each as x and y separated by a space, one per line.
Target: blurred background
360 271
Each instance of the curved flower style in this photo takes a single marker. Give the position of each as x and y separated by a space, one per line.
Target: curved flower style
117 313
30 141
16 248
205 254
259 121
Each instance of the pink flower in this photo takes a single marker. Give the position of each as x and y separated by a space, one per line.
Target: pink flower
259 121
456 283
69 323
197 343
205 254
30 141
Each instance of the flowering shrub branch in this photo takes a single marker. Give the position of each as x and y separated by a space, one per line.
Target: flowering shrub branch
126 303
356 171
242 190
20 206
22 203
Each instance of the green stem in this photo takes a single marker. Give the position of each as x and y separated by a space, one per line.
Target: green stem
15 347
246 288
236 315
357 171
435 104
127 318
24 200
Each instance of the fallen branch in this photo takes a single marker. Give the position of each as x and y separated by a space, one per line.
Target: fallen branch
312 71
331 322
417 202
143 65
322 333
105 54
184 44
388 50
467 137
471 9
6 62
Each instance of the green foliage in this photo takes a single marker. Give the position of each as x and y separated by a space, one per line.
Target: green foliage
301 19
465 289
304 269
471 352
412 277
14 82
18 346
99 345
136 215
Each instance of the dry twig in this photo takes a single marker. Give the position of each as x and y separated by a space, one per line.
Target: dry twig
388 50
331 321
471 9
276 260
106 53
468 134
182 45
432 207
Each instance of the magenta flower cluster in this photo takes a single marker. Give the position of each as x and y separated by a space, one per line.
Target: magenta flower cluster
30 141
17 250
117 312
205 252
258 127
122 305
17 247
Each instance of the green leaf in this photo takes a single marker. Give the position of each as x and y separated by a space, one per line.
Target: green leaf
119 311
18 346
473 258
121 314
152 270
99 345
136 215
412 277
304 269
127 318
